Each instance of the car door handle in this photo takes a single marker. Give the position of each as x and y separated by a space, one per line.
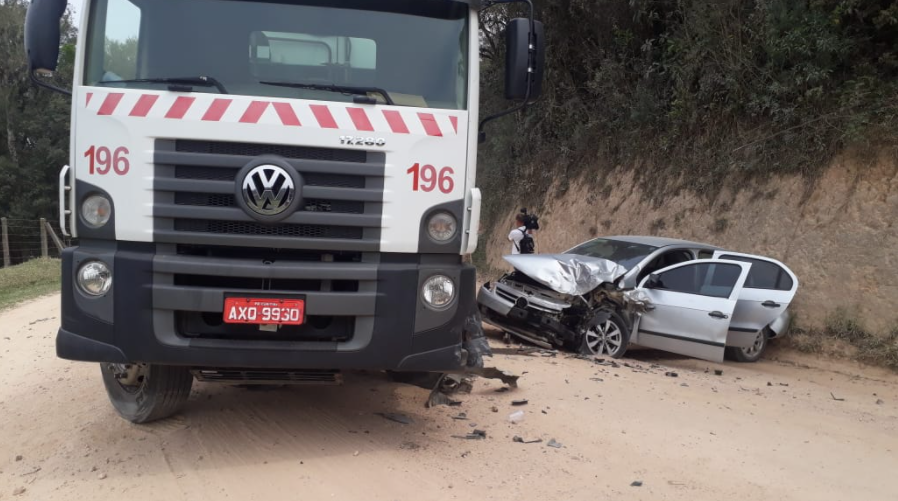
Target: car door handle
717 314
770 304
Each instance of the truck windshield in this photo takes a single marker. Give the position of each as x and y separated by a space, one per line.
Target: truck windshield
415 51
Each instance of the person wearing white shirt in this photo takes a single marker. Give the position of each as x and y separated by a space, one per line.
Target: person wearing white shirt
517 234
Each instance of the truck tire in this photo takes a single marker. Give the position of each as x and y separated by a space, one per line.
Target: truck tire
751 354
142 393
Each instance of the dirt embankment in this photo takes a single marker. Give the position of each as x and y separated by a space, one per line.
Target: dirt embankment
773 430
839 234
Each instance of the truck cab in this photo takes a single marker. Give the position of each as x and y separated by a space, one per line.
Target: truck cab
269 190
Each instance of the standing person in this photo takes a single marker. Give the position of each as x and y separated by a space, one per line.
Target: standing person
521 238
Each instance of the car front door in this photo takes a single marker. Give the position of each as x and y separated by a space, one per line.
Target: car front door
689 307
768 291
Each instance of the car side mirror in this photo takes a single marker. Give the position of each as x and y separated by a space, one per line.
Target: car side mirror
653 281
524 61
42 37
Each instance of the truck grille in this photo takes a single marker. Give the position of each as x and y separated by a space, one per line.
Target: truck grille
195 202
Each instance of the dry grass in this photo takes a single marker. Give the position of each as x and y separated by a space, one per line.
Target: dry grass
844 336
28 280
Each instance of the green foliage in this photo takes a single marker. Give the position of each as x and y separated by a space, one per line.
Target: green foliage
697 92
28 280
34 122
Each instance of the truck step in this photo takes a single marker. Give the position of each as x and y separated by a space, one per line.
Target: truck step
268 376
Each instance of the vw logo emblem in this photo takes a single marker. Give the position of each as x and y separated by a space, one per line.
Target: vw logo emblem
268 191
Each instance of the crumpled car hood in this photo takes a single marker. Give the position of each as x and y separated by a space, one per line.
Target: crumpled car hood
567 273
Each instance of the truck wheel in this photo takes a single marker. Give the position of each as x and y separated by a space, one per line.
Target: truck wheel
609 338
752 353
142 393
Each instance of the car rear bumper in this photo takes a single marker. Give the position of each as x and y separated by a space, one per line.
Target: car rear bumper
155 314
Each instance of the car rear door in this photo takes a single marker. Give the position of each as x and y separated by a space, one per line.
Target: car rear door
689 307
768 291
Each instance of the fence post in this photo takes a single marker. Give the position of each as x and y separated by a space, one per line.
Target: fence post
56 241
44 251
5 237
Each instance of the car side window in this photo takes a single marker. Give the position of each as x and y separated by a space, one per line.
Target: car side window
763 274
702 279
665 260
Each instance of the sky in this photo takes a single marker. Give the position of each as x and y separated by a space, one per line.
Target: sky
76 9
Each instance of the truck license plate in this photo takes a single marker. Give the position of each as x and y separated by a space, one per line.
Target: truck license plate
241 310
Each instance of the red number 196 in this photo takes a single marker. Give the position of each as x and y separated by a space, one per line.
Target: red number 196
425 178
101 160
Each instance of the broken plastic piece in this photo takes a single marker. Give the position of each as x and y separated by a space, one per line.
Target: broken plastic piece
516 417
553 443
522 440
398 418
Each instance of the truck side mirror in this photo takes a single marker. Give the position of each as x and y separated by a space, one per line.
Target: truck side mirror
524 63
42 36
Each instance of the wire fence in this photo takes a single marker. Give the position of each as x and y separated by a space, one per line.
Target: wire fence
25 239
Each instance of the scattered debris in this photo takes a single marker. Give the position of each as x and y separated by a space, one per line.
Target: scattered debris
356 453
597 379
494 409
522 440
32 472
502 389
101 476
437 398
409 446
671 374
718 372
544 412
520 402
454 383
465 454
769 383
553 443
474 435
784 384
461 416
19 457
879 401
684 385
636 483
837 399
398 418
41 320
516 417
19 491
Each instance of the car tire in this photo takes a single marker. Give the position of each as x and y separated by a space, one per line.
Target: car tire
142 393
608 339
751 354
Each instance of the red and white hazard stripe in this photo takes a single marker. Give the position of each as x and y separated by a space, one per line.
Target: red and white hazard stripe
214 108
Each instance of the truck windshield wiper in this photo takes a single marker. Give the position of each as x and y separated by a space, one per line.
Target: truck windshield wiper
182 84
361 92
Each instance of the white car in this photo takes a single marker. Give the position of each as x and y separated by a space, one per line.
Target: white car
684 297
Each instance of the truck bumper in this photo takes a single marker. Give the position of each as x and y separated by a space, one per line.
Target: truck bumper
165 308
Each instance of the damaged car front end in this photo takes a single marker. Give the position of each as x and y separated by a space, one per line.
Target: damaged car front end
559 301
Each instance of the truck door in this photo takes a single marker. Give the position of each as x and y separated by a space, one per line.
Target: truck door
767 293
689 307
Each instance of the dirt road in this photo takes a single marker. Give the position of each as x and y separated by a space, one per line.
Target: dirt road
772 430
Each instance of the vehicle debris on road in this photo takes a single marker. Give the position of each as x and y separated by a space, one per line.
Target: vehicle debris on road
474 435
516 417
519 402
397 418
553 443
522 440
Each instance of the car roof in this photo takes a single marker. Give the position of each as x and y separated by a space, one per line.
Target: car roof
660 241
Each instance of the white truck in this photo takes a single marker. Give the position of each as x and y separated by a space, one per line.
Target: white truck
271 191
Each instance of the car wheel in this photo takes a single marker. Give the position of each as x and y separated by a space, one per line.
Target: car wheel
142 393
751 354
609 338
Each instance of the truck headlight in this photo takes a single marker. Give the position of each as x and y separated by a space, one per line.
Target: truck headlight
95 278
442 227
438 292
96 210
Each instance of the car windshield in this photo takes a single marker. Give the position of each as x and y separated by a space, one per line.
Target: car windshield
417 52
626 254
